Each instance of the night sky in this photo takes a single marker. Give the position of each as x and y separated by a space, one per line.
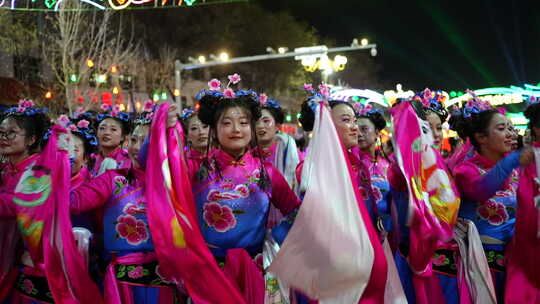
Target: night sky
440 44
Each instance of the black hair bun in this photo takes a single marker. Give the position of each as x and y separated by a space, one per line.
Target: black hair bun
307 116
532 113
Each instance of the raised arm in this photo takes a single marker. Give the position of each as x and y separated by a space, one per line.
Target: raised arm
94 193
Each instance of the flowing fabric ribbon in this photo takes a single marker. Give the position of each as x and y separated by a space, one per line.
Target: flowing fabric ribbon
523 278
180 247
433 197
335 251
473 268
42 199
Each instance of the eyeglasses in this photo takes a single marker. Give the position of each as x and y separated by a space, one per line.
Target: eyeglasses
9 135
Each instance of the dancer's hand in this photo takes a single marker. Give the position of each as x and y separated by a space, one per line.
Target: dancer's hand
172 117
526 157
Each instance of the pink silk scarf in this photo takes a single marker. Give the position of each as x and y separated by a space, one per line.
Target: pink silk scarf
433 197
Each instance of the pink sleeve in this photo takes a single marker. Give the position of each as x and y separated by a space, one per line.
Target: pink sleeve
282 196
93 193
466 176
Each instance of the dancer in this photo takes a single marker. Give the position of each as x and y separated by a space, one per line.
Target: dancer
525 246
112 130
133 274
488 180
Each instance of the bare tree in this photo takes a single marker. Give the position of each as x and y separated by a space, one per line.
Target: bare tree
158 70
84 44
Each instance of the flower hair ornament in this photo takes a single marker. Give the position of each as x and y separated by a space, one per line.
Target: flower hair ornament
477 105
26 108
364 109
532 100
147 114
82 128
113 112
187 113
214 89
432 100
315 97
267 102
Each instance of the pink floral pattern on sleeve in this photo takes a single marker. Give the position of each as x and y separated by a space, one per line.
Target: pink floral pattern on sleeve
492 211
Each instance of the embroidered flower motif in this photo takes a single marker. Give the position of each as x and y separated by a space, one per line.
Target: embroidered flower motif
214 84
119 183
494 212
229 93
83 124
163 278
136 273
234 78
131 229
133 208
213 196
27 103
28 286
219 217
227 184
243 190
439 260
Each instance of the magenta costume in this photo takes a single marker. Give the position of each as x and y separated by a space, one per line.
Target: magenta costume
489 200
133 274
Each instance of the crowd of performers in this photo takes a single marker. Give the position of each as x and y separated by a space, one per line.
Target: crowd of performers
216 205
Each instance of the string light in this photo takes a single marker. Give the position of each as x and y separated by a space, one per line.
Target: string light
54 5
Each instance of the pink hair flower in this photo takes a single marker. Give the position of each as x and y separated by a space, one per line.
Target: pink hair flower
214 85
148 105
72 128
21 109
116 108
324 90
308 87
63 120
105 107
263 98
229 93
234 78
83 124
26 103
502 111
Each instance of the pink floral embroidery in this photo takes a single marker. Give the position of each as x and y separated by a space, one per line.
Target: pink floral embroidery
227 184
136 273
133 209
243 190
439 260
28 286
131 229
219 217
162 276
500 261
494 212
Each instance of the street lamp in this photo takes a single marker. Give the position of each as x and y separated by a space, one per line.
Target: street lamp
364 42
202 59
224 56
282 50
